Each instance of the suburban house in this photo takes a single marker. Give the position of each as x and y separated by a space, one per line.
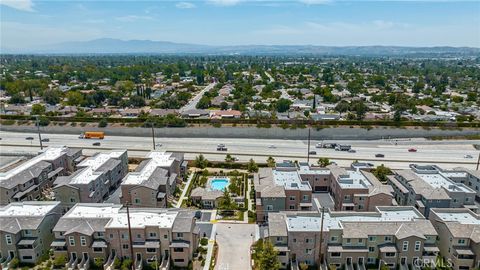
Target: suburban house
392 236
29 179
154 180
459 236
95 179
208 199
26 230
100 232
427 186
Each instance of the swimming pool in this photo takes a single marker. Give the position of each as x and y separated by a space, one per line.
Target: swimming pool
219 183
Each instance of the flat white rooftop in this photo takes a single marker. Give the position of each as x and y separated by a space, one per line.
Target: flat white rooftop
306 223
93 211
51 153
31 209
289 180
157 159
354 179
307 170
437 180
463 218
143 219
91 164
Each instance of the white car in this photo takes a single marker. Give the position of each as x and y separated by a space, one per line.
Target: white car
158 145
272 146
318 145
468 156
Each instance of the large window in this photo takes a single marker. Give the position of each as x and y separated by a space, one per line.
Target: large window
335 255
177 249
417 245
405 246
71 240
125 246
83 241
151 250
390 254
8 239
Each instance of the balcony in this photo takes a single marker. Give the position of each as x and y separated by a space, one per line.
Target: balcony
26 243
59 245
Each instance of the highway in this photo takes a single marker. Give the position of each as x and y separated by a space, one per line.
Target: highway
192 104
448 154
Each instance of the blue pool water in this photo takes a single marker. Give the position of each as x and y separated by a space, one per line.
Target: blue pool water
219 184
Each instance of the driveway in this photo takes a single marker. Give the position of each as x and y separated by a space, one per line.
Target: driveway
234 241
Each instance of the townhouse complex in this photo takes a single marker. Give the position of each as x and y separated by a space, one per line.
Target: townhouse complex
26 230
428 186
99 232
394 236
29 179
154 180
289 186
94 180
459 236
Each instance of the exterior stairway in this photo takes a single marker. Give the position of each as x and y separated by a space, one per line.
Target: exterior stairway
165 263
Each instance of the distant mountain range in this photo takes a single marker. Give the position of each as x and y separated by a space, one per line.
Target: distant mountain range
117 46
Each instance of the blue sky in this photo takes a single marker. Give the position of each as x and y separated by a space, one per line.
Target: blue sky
28 23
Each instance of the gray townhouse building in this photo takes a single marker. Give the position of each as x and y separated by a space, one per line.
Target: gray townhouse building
427 186
26 230
94 180
99 232
29 179
154 180
458 236
398 237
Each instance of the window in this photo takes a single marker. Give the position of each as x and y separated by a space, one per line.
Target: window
390 254
292 207
179 260
100 234
153 234
97 249
279 239
111 236
308 240
165 236
27 257
461 241
305 197
83 241
348 240
333 239
269 207
371 249
72 200
139 236
137 201
347 197
125 246
27 232
360 240
405 246
71 240
282 253
292 198
417 245
180 235
335 255
308 251
177 249
124 236
8 239
151 250
388 239
360 207
294 240
371 260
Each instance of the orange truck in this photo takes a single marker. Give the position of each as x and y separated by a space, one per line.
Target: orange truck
92 135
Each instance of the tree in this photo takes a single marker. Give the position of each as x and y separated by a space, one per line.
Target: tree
283 105
102 123
52 97
270 162
224 105
60 260
74 98
226 202
267 258
381 172
323 162
229 159
137 101
252 166
303 266
203 103
201 162
17 98
38 109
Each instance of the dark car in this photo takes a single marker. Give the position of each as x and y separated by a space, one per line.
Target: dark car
96 144
380 155
29 138
46 140
312 152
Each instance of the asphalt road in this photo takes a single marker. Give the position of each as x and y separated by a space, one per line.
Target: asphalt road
192 104
448 154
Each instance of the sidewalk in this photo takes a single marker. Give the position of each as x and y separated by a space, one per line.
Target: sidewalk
211 241
184 191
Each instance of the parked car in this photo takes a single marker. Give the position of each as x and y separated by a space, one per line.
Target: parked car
380 155
312 152
468 156
45 140
96 144
412 150
29 138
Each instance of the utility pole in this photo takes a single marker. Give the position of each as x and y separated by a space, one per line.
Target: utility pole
478 160
321 238
39 135
308 153
153 136
130 237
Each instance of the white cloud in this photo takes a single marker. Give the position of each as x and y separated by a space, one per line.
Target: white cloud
185 5
224 2
132 18
23 5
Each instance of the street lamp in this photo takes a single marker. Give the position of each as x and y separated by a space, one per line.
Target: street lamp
38 130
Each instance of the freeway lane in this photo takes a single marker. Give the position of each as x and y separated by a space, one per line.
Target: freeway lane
396 156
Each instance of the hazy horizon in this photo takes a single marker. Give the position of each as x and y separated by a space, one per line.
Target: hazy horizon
26 24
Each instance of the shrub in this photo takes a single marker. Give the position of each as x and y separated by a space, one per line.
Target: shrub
8 122
14 263
43 121
117 263
204 241
60 261
126 264
103 123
